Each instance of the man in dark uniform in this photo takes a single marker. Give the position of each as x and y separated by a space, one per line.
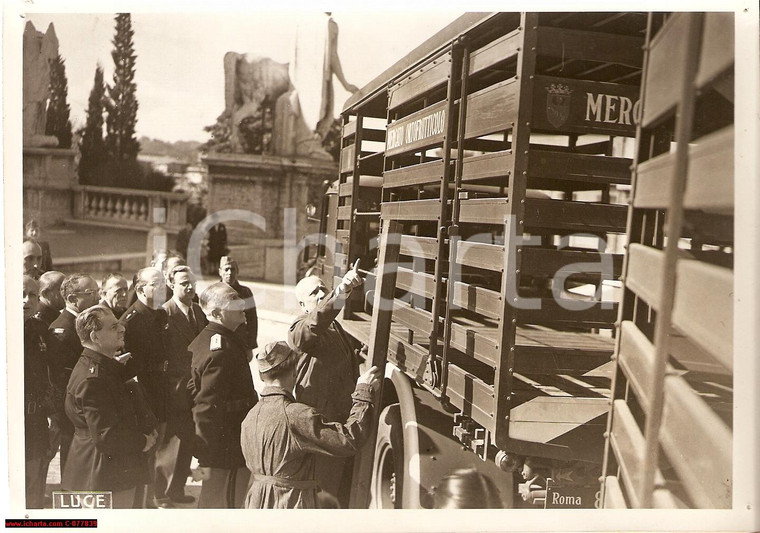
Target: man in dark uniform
281 438
327 368
79 292
113 293
51 300
228 272
146 338
38 401
109 449
222 390
174 453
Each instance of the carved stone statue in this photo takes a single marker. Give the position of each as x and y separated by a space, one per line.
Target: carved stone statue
39 50
252 83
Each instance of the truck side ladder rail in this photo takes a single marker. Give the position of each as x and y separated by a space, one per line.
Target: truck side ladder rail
669 433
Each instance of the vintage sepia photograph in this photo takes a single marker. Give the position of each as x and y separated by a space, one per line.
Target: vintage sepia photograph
409 268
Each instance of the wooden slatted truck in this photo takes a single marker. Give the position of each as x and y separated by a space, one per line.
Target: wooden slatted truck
484 183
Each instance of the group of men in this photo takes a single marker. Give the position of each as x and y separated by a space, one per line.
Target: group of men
131 391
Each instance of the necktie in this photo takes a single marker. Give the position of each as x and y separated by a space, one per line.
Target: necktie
191 319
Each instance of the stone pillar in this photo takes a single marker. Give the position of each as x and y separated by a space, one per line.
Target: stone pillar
48 177
264 185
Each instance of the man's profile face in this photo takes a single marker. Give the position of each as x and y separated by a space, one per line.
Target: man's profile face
31 262
86 294
114 292
232 315
154 290
110 337
31 298
310 292
184 287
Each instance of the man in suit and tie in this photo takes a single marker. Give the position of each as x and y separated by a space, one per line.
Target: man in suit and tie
174 453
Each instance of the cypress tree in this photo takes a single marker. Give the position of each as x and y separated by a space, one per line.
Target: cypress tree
121 104
58 123
92 146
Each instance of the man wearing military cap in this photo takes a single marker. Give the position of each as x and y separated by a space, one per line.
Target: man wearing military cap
222 390
281 438
228 273
146 338
109 450
79 292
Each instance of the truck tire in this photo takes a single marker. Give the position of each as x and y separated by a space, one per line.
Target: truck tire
388 468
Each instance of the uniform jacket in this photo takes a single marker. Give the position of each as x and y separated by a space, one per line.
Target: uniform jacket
281 438
146 337
118 312
180 334
222 390
65 352
47 313
249 330
106 453
327 368
38 388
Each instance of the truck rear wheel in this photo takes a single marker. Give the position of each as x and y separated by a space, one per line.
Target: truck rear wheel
388 469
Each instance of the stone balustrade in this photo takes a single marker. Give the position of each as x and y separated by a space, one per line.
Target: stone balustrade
130 207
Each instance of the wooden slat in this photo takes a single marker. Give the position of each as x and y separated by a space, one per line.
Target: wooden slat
582 217
613 495
627 443
349 129
667 61
645 272
344 212
492 109
481 255
410 358
636 358
342 236
370 134
703 308
484 211
347 158
717 54
492 165
411 210
579 167
694 358
341 261
475 343
424 174
547 262
698 445
709 182
417 320
477 299
423 80
546 418
422 129
591 107
561 313
415 282
422 247
570 44
496 51
471 395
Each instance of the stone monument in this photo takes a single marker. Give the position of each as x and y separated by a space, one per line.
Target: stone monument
49 172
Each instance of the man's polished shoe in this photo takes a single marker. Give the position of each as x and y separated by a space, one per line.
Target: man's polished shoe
182 498
163 504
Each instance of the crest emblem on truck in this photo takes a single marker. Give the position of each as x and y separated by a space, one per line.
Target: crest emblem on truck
558 104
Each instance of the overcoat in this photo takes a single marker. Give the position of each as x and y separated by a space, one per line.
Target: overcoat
221 386
106 453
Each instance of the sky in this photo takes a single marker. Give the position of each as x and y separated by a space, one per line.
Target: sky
179 67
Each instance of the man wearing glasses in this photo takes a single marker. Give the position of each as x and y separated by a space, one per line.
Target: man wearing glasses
79 292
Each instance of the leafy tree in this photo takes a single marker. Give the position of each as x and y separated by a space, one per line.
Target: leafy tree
121 103
92 146
58 123
220 136
331 142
